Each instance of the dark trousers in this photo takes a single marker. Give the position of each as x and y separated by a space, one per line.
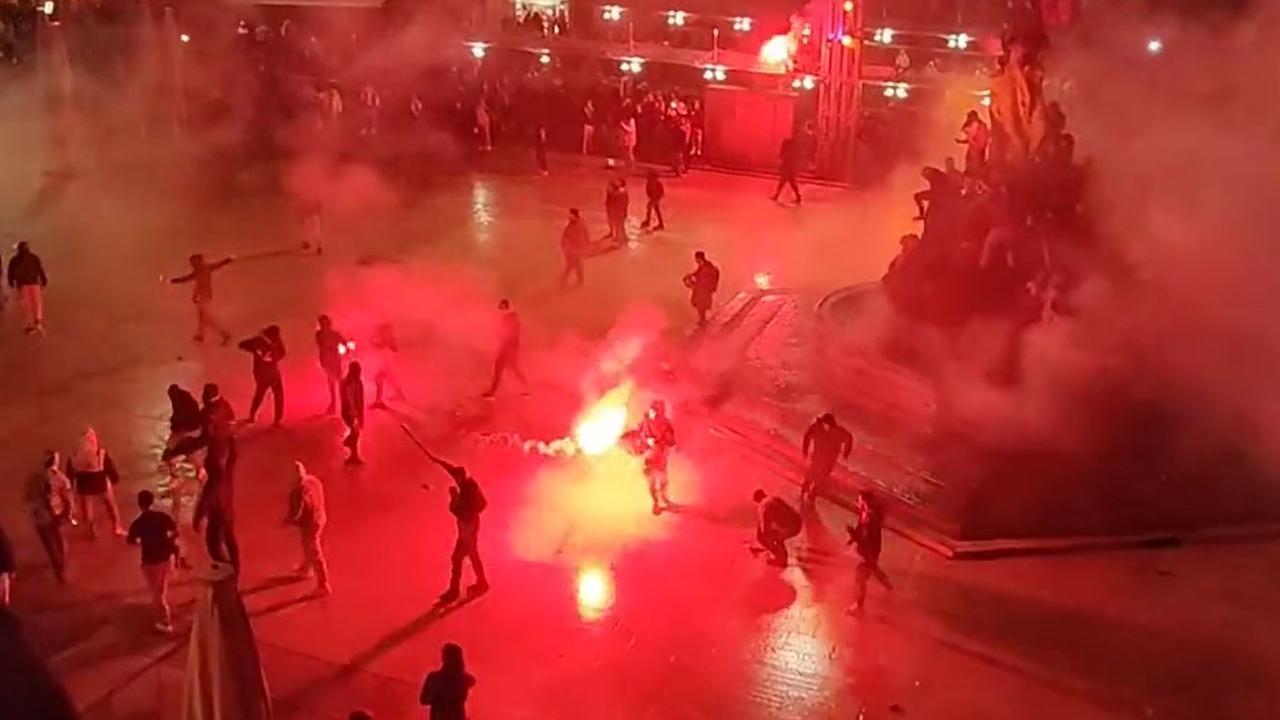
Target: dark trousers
55 546
220 539
785 180
260 387
466 547
653 208
540 150
774 542
868 569
352 440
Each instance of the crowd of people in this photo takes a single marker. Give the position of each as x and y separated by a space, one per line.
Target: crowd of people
1001 234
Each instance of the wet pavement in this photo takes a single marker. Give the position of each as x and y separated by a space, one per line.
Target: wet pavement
684 622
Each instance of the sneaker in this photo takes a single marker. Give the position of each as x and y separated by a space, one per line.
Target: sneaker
657 509
302 569
479 588
226 339
354 461
164 628
448 596
324 590
198 338
119 531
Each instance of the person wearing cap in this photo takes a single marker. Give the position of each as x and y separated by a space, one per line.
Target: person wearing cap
657 438
27 278
201 277
267 349
307 512
466 502
825 442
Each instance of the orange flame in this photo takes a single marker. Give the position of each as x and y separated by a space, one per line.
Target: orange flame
602 425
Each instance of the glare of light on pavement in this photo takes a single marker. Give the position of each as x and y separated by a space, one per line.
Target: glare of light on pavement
611 13
601 426
776 50
716 73
477 50
1155 46
763 280
677 18
742 24
595 592
884 36
544 58
184 38
958 41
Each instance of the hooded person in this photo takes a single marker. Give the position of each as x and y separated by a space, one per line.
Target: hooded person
466 503
825 443
445 690
93 475
185 423
307 512
776 523
702 283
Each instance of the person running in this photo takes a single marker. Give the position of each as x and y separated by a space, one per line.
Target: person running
654 191
788 168
352 395
656 437
93 475
267 349
28 280
52 505
702 284
202 294
508 350
466 503
574 241
865 536
157 535
386 352
776 523
331 346
445 691
825 442
307 512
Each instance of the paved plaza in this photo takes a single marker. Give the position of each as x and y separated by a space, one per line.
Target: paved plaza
682 622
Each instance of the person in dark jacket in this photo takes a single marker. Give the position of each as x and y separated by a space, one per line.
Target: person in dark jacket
466 503
215 507
352 396
865 536
788 168
28 689
654 191
267 349
776 523
508 350
616 201
26 277
185 422
825 443
702 283
201 276
445 690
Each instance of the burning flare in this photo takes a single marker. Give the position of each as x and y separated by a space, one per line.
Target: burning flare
595 591
602 425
